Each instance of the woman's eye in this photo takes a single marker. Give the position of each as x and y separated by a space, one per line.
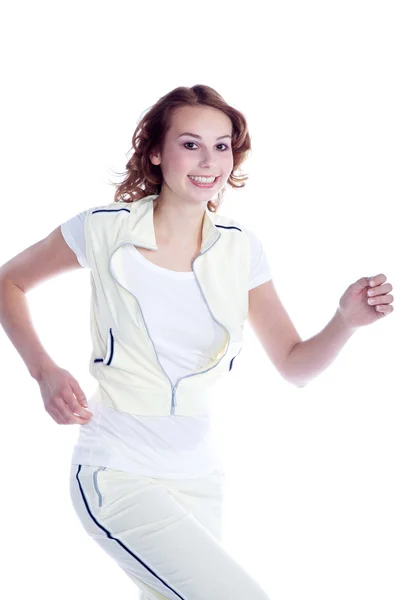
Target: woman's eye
226 147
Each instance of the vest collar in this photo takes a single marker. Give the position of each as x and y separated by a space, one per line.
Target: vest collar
141 225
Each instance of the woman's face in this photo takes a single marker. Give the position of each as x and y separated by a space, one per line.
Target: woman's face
184 154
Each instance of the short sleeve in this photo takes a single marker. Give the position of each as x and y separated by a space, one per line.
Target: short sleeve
73 232
260 269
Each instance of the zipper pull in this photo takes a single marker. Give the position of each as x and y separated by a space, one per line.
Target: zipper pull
173 397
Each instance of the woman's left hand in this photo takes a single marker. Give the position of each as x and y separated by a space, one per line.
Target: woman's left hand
354 306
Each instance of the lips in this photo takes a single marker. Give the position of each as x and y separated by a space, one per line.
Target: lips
204 185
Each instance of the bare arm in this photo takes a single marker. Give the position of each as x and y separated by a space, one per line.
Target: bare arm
309 358
62 395
39 262
297 360
16 321
273 327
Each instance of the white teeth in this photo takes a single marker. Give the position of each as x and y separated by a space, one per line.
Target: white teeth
203 179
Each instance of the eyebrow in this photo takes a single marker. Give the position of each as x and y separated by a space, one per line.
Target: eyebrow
199 136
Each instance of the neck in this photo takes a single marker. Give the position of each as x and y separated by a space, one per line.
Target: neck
178 223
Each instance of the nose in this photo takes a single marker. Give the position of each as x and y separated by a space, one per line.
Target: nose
207 160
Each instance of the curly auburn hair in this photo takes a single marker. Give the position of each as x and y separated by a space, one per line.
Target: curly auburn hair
142 178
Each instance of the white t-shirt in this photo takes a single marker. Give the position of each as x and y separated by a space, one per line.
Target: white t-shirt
172 446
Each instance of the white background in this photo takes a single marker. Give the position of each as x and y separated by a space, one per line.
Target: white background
312 490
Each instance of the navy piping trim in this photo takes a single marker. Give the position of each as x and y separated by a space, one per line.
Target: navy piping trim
112 339
228 227
127 210
112 347
118 541
112 351
110 210
230 366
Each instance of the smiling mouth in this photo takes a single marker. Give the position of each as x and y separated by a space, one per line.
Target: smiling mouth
204 184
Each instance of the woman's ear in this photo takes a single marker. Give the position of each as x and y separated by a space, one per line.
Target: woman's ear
155 158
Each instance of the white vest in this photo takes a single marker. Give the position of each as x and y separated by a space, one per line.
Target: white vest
124 361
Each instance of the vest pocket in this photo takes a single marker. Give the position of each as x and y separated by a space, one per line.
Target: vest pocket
96 484
109 349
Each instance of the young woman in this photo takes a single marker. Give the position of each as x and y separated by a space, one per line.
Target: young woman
173 283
